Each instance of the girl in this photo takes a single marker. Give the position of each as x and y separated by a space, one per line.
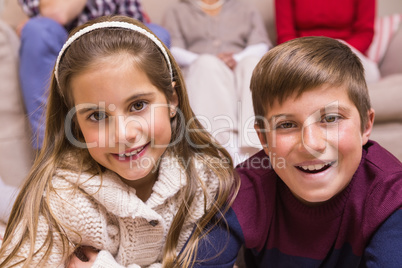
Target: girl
125 167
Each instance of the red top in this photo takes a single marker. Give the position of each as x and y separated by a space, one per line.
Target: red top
349 20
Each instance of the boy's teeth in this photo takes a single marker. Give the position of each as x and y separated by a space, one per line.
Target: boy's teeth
313 167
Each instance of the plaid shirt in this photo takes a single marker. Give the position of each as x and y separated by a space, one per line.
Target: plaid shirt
94 9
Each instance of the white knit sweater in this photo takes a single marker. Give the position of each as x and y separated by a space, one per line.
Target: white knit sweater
109 216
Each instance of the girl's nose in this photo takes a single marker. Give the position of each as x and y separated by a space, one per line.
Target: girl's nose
127 129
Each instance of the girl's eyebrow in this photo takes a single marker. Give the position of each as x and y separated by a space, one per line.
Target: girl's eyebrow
89 107
140 95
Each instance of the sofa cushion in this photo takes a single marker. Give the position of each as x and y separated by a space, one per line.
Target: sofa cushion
16 153
386 98
392 60
384 29
389 136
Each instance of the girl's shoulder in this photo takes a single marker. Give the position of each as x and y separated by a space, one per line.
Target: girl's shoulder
207 166
199 165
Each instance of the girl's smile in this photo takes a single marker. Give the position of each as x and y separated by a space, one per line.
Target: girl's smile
132 154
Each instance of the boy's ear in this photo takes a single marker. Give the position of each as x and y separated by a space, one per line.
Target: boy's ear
261 133
369 126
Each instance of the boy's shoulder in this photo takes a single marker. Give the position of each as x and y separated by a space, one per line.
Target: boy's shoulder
257 166
378 185
258 178
254 204
379 160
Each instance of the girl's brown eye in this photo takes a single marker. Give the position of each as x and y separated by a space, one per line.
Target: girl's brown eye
97 116
138 106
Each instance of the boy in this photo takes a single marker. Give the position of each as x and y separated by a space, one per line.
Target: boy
320 194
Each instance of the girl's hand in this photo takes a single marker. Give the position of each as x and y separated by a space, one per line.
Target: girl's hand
83 257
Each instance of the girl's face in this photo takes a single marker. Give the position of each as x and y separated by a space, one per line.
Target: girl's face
124 118
315 142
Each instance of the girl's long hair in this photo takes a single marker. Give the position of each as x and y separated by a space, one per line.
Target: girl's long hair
190 139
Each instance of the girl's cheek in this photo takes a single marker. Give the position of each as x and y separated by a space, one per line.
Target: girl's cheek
97 138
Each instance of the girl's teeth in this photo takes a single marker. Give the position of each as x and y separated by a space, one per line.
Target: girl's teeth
131 153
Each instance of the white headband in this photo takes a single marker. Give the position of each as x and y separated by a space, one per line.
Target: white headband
111 24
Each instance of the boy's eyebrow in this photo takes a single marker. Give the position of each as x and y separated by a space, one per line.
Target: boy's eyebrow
337 107
278 116
332 107
88 107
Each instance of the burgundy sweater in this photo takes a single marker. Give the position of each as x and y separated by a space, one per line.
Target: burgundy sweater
360 227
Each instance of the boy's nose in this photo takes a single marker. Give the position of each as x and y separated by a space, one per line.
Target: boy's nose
314 139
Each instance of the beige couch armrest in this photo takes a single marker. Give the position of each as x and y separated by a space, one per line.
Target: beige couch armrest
392 61
15 149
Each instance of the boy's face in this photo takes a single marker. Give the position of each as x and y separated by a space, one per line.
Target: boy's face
315 142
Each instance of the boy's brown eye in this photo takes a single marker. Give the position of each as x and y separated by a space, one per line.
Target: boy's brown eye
331 118
285 125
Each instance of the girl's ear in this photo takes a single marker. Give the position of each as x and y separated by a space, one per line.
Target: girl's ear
369 126
174 101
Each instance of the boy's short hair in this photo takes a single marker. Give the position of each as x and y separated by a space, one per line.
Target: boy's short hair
303 64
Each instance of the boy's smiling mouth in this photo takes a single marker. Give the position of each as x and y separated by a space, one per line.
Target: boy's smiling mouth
316 168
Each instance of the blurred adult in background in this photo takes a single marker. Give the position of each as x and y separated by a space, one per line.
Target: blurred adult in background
218 43
350 21
43 35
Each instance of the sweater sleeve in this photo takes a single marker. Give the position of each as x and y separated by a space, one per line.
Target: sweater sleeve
284 20
183 56
363 27
106 260
384 248
253 50
220 246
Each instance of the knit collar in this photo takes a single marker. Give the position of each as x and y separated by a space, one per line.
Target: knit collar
170 180
120 199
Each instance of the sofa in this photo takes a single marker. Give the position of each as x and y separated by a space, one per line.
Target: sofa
17 155
386 94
